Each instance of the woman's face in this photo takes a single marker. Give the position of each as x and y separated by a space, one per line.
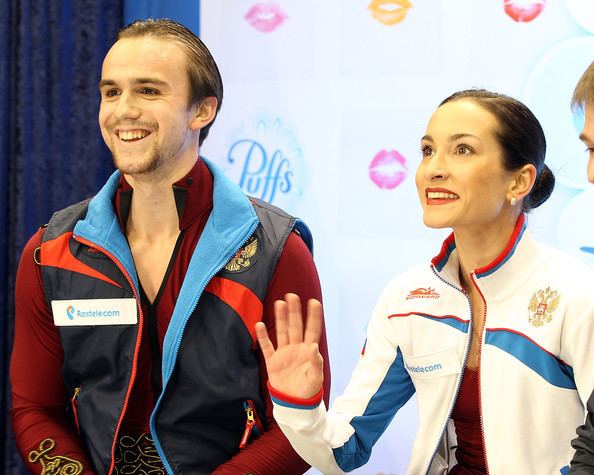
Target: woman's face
461 180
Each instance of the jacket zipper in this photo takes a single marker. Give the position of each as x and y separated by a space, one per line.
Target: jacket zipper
252 423
458 384
172 360
74 404
136 347
480 349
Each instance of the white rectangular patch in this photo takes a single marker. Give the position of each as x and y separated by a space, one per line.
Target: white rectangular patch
76 313
442 363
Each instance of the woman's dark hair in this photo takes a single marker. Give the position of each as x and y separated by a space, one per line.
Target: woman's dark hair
205 78
521 138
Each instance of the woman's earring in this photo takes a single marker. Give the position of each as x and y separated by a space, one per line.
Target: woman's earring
513 201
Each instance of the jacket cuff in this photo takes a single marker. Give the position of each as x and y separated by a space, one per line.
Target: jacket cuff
285 400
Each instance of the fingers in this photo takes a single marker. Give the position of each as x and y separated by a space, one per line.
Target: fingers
281 322
289 321
264 340
295 328
313 328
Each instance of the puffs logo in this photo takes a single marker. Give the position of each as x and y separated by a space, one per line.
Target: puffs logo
423 293
267 161
70 312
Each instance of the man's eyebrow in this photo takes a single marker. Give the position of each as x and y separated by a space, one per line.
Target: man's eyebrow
106 82
155 81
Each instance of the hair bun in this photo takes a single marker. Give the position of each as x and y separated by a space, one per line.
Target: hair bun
543 187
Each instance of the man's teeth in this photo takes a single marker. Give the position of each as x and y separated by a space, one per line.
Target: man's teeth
436 195
132 134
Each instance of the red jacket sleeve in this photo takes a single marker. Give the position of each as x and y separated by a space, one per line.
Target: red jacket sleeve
41 428
271 453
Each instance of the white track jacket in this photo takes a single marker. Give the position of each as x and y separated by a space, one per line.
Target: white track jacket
536 365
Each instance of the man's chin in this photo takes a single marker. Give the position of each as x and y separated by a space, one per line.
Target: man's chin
135 167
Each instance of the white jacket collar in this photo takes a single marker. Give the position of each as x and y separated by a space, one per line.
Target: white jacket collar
499 277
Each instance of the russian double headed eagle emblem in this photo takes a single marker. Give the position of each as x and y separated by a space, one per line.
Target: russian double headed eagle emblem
243 258
542 305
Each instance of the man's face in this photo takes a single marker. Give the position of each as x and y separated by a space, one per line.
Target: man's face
587 136
144 116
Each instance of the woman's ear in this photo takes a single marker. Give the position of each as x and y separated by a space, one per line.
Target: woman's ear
522 182
204 113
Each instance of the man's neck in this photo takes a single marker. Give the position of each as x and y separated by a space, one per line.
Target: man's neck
153 212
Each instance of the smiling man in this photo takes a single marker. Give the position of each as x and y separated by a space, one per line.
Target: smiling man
134 336
583 101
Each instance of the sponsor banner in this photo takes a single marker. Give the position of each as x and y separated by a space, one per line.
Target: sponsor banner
264 157
74 313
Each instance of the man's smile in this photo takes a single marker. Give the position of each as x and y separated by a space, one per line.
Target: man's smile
132 135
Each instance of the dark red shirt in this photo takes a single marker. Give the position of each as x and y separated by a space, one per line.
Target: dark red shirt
38 391
470 454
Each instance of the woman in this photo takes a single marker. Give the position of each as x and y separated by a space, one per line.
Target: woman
494 336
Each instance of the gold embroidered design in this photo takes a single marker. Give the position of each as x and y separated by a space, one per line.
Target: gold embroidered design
242 258
138 456
54 465
542 305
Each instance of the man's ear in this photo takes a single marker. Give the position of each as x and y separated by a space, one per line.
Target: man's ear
204 113
522 182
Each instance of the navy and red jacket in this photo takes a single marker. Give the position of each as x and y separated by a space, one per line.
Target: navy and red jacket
210 369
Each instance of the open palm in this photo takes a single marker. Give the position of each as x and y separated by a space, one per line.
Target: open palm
295 368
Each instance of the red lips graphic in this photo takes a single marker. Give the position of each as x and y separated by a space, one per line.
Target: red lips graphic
388 169
523 11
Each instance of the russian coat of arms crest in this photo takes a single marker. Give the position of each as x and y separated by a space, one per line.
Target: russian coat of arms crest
542 305
243 257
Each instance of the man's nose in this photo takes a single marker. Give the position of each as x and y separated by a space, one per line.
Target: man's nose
127 107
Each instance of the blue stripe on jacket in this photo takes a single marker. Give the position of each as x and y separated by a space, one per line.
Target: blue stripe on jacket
394 391
552 369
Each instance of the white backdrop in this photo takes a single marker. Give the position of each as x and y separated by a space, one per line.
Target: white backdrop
326 101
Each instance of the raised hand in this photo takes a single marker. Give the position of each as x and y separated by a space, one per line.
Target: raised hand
295 368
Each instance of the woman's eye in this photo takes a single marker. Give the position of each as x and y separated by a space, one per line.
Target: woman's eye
426 151
463 150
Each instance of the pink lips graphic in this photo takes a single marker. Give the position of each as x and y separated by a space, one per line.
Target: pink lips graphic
523 10
388 169
265 17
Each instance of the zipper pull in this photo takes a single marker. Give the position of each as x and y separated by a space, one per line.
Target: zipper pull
74 403
249 425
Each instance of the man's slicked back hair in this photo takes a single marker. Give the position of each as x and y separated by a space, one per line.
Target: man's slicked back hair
204 75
